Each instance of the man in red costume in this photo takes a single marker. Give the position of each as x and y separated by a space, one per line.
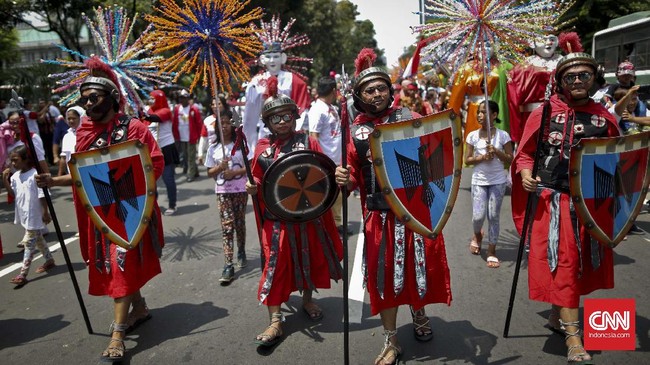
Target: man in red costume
390 282
298 256
290 84
527 84
113 270
564 262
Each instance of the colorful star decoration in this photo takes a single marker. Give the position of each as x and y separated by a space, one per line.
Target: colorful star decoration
459 30
211 38
137 75
271 32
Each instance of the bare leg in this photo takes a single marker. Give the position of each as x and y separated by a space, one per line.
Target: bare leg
312 310
274 330
121 311
569 318
391 349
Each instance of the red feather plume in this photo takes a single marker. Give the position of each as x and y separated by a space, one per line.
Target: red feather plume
365 59
272 87
570 42
99 68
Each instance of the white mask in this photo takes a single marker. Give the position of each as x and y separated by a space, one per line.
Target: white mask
273 61
545 46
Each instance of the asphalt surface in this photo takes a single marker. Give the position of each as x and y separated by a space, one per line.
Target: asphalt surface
197 321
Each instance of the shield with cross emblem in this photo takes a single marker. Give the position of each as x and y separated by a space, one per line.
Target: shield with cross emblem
418 165
299 186
608 182
117 186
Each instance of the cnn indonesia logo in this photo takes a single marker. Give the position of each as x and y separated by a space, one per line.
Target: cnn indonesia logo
609 324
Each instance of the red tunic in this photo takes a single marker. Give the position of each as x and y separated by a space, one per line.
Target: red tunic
138 268
575 275
438 286
284 278
526 88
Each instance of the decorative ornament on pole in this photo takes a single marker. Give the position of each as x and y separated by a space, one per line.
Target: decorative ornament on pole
135 69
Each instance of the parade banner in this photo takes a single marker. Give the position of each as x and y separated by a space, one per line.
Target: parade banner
418 165
105 182
608 183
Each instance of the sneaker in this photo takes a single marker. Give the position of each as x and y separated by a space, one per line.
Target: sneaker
170 211
227 275
241 260
635 230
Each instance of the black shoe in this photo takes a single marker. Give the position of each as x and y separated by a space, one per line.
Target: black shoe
227 275
241 260
635 230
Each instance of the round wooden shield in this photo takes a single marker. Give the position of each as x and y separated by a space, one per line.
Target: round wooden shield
299 186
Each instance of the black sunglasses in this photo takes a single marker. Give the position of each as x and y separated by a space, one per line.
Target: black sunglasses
373 90
93 98
276 119
582 76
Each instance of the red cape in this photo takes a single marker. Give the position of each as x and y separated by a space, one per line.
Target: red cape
524 159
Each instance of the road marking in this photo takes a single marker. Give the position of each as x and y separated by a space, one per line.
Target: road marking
356 292
17 266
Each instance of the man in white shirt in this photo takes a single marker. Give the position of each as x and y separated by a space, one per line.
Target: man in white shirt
325 125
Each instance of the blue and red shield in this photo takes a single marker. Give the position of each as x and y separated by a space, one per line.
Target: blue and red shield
418 165
608 182
117 186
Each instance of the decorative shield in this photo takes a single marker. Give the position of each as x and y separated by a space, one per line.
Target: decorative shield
608 182
299 186
418 165
117 186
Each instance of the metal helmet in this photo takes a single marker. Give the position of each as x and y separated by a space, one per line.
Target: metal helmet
101 83
279 102
574 59
365 76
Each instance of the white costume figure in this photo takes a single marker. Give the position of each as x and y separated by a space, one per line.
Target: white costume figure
276 41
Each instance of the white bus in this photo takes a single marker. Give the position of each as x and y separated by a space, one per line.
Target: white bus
626 39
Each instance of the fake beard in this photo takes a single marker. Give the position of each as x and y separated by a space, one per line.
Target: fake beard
99 111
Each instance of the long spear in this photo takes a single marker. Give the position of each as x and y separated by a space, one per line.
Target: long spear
531 198
17 103
241 143
345 131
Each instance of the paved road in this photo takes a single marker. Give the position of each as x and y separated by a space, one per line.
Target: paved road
197 321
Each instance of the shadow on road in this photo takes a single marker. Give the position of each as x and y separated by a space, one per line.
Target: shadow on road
167 324
17 331
187 245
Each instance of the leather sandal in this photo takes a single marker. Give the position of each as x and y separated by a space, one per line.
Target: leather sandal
389 350
115 353
134 322
421 325
265 339
576 354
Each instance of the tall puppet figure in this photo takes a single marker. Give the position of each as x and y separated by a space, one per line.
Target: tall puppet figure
390 281
297 255
527 83
112 269
276 62
469 83
564 262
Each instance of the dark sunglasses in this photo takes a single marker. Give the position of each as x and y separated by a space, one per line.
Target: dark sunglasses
276 119
582 76
93 98
373 90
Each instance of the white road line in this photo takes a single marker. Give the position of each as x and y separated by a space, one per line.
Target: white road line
356 292
17 266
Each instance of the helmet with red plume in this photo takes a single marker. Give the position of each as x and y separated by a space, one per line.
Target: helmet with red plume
366 72
570 43
103 78
276 102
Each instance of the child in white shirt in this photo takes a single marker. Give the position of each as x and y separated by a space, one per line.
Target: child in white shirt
30 210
